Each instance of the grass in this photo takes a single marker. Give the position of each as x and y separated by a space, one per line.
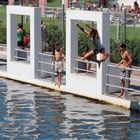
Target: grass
57 3
132 32
54 3
3 14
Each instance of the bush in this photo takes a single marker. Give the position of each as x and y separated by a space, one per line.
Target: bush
54 33
2 34
133 46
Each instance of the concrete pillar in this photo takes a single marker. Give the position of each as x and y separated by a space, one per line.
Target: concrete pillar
11 2
67 3
103 29
72 51
43 6
91 86
24 71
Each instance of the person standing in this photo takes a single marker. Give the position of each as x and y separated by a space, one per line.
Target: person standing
43 36
126 62
20 34
20 54
58 56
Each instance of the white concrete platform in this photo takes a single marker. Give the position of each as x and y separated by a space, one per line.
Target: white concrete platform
92 87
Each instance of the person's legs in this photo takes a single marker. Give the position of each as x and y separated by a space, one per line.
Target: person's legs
98 62
59 71
56 70
123 75
88 66
122 84
59 79
88 55
56 81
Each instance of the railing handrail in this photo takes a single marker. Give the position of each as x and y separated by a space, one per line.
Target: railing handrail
91 71
111 85
126 84
85 61
46 54
44 71
22 50
127 68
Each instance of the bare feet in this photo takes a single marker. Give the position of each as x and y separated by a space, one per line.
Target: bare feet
57 84
99 63
121 95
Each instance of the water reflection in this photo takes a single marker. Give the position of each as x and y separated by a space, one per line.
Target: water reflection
34 113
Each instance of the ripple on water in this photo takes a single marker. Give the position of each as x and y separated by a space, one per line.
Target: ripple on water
34 113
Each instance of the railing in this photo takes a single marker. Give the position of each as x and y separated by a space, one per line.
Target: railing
83 5
132 82
46 68
131 18
84 66
22 55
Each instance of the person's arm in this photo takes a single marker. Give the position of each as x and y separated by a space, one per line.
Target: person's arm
82 29
89 27
120 63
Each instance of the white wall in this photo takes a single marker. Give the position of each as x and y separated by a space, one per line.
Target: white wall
84 85
18 69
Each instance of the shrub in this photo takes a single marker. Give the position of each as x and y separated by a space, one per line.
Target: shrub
54 33
2 34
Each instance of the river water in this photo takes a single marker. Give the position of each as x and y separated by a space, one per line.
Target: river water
29 112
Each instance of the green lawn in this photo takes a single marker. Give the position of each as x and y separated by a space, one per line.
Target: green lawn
131 32
57 3
3 14
54 3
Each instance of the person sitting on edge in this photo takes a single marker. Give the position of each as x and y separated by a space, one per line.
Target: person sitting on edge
94 52
126 62
58 56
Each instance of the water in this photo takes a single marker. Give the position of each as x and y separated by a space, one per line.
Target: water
32 113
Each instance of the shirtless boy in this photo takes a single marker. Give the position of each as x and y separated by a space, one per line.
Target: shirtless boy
58 63
126 62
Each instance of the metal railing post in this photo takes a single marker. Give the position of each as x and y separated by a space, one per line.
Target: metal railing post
124 25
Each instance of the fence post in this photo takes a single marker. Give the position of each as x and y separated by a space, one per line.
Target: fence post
118 28
124 25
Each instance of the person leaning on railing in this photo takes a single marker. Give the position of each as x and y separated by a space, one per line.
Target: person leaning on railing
126 62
